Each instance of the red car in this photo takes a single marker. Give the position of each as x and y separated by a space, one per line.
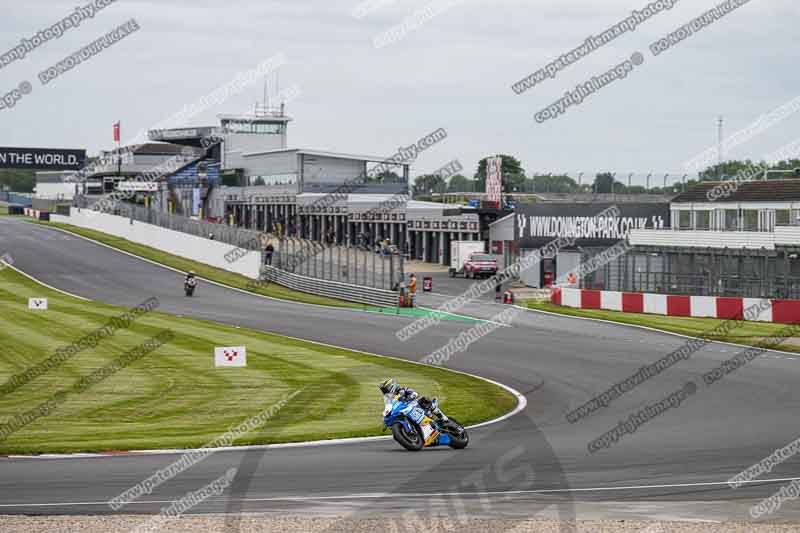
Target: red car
480 265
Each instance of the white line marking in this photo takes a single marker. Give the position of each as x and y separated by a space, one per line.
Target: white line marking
522 402
162 265
395 495
12 267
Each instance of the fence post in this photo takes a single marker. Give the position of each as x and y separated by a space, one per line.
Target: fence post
365 270
373 269
391 272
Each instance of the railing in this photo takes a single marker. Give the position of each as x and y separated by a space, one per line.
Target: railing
239 237
331 289
702 285
312 259
339 263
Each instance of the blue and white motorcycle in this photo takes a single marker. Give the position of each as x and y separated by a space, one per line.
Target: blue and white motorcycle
414 429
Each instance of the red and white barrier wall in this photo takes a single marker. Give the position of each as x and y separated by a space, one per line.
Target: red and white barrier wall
773 310
35 213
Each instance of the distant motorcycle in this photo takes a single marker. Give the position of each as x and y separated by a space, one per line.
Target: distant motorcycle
413 429
189 286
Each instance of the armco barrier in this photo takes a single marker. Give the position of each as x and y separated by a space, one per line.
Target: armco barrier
780 311
331 289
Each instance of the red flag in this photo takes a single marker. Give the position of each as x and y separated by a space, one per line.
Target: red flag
116 131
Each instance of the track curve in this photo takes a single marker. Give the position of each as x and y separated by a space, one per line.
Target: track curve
528 461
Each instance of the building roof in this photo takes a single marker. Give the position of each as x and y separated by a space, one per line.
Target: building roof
502 220
154 149
270 117
746 191
322 153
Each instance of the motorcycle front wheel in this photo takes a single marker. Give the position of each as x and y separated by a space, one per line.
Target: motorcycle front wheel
410 440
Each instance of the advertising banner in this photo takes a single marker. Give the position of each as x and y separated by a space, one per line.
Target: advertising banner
42 158
537 224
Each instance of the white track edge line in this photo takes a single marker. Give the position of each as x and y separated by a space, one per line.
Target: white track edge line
212 282
12 267
381 495
522 402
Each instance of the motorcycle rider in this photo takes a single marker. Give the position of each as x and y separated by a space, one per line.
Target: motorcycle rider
390 386
190 279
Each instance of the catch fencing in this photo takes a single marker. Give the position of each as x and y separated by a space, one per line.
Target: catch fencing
239 237
331 289
311 259
342 264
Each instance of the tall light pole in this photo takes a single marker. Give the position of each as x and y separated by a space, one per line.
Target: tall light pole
648 183
720 122
629 179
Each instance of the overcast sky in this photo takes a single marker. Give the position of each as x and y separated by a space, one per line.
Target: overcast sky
455 72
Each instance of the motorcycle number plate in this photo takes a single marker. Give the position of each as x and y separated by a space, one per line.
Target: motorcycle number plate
417 415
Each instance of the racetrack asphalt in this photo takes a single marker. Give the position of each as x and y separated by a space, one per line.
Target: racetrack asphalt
523 466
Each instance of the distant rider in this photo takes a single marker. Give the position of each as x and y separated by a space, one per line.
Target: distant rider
390 386
190 279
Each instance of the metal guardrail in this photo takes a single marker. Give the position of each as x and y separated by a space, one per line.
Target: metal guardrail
339 263
331 289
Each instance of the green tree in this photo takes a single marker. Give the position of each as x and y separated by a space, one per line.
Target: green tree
793 165
727 169
423 185
460 183
18 180
549 183
604 182
513 174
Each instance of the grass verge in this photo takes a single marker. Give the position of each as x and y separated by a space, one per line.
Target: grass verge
748 333
175 397
204 271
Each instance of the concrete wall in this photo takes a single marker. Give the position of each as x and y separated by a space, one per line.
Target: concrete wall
174 242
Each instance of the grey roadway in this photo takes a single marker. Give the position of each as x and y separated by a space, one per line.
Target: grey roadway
519 466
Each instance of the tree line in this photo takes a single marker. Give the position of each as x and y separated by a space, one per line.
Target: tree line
516 180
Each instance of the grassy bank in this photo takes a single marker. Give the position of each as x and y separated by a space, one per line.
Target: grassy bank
748 333
204 271
175 397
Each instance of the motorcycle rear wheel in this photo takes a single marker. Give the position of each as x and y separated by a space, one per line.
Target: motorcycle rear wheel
410 441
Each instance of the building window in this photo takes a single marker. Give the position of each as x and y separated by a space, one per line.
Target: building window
782 217
684 220
702 220
731 219
750 220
